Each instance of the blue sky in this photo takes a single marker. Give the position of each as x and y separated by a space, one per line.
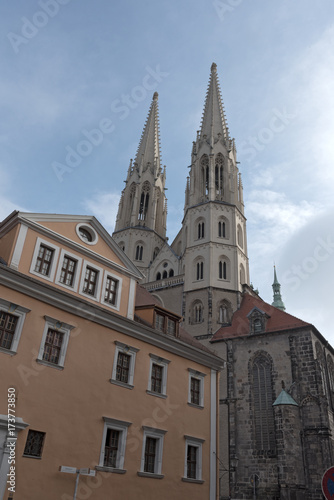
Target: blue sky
70 66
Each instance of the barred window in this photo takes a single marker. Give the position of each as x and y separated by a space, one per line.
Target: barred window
263 401
34 444
8 324
44 260
52 346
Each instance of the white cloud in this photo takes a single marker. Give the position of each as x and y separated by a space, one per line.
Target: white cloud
104 207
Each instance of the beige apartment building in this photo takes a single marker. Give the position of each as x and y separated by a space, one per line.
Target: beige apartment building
98 375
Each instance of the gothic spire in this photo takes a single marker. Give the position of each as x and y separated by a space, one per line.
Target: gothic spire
278 302
149 147
213 121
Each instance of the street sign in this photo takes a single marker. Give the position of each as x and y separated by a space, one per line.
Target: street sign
87 472
69 470
327 484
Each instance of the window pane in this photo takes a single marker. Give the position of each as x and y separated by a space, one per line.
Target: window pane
191 461
7 329
123 366
195 385
52 346
150 451
34 444
111 448
156 379
43 261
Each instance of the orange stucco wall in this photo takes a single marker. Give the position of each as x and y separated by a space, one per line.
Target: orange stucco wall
27 256
69 405
8 244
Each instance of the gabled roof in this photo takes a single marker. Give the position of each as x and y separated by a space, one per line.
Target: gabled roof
35 220
277 320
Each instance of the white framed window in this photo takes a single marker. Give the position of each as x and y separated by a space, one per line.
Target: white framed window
113 445
111 290
124 365
196 388
91 279
193 459
157 381
54 343
12 317
44 260
68 271
152 451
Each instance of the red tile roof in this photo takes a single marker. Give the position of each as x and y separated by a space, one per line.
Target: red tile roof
278 320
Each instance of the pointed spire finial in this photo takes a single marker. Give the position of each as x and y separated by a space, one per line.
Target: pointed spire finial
213 68
278 302
155 96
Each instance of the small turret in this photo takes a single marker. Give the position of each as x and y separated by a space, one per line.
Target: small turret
278 302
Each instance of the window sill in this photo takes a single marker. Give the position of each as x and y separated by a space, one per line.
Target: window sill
199 407
112 470
189 480
157 394
31 456
121 384
7 351
151 475
51 365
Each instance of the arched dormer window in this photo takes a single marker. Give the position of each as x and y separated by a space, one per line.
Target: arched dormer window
199 270
263 398
144 202
139 252
219 175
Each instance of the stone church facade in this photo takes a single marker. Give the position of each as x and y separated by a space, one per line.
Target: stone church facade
277 388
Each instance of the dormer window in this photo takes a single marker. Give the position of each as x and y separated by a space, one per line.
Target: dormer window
257 321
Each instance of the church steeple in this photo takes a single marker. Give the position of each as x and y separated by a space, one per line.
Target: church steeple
278 302
214 125
143 205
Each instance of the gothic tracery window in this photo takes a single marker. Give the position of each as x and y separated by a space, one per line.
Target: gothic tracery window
197 312
219 175
262 396
222 272
144 202
205 174
199 270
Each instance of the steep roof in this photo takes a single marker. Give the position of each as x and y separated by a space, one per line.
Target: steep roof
149 146
277 320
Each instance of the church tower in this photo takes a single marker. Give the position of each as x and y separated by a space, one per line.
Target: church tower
140 228
213 242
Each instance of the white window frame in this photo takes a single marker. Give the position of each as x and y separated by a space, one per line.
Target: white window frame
199 376
157 360
54 261
130 351
90 230
157 434
198 444
99 271
122 427
72 256
108 274
61 327
20 312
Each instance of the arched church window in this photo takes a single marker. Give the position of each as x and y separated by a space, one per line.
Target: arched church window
197 312
200 230
139 252
199 270
144 202
155 253
242 275
320 359
158 276
262 395
171 273
164 275
205 174
240 237
219 175
222 229
224 312
222 270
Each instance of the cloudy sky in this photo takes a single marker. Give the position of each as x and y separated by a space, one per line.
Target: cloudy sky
70 67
